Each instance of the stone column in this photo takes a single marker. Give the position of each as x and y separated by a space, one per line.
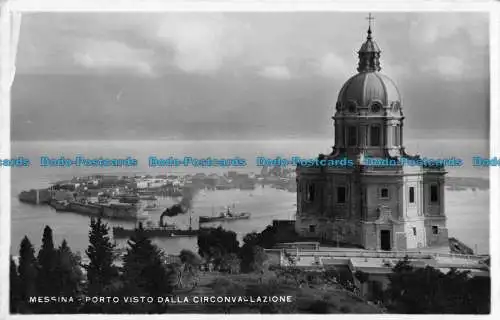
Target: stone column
337 134
441 198
388 135
341 131
401 133
363 134
399 200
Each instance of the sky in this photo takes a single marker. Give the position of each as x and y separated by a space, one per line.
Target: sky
218 75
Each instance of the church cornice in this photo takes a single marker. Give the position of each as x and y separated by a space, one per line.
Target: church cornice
366 117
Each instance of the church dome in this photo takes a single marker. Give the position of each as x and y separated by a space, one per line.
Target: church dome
369 87
366 88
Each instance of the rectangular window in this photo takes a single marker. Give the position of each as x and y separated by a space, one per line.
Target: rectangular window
434 193
412 194
414 231
435 229
375 136
384 193
310 192
341 194
312 228
352 136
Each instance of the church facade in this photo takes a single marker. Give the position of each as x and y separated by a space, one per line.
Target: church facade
373 200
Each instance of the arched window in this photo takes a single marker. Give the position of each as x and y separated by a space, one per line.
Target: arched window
375 135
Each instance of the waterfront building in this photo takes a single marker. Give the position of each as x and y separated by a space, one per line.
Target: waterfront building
379 207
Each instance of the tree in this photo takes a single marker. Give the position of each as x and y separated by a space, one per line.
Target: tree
28 271
175 273
251 239
293 272
213 244
230 263
253 258
70 277
15 294
428 290
479 295
47 260
190 266
144 272
101 270
268 238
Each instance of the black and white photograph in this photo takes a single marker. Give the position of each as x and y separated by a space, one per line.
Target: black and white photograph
266 162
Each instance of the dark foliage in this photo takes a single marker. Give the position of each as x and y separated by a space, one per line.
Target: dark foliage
226 287
47 260
186 271
429 291
101 271
266 239
28 272
144 272
230 263
324 306
213 244
15 293
361 276
70 277
253 258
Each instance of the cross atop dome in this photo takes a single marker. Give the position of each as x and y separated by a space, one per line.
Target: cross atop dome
370 18
369 53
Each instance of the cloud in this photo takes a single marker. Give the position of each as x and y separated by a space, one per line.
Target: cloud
201 43
276 72
331 65
451 68
393 70
106 55
434 27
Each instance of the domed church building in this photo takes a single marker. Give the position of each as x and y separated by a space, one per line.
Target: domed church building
379 204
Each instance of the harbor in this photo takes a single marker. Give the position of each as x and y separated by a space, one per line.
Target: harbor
266 204
134 197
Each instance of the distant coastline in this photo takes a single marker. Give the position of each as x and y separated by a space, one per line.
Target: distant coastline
465 183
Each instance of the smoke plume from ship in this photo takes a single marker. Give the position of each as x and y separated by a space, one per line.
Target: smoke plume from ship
184 205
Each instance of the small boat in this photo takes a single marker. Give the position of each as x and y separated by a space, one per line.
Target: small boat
227 215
